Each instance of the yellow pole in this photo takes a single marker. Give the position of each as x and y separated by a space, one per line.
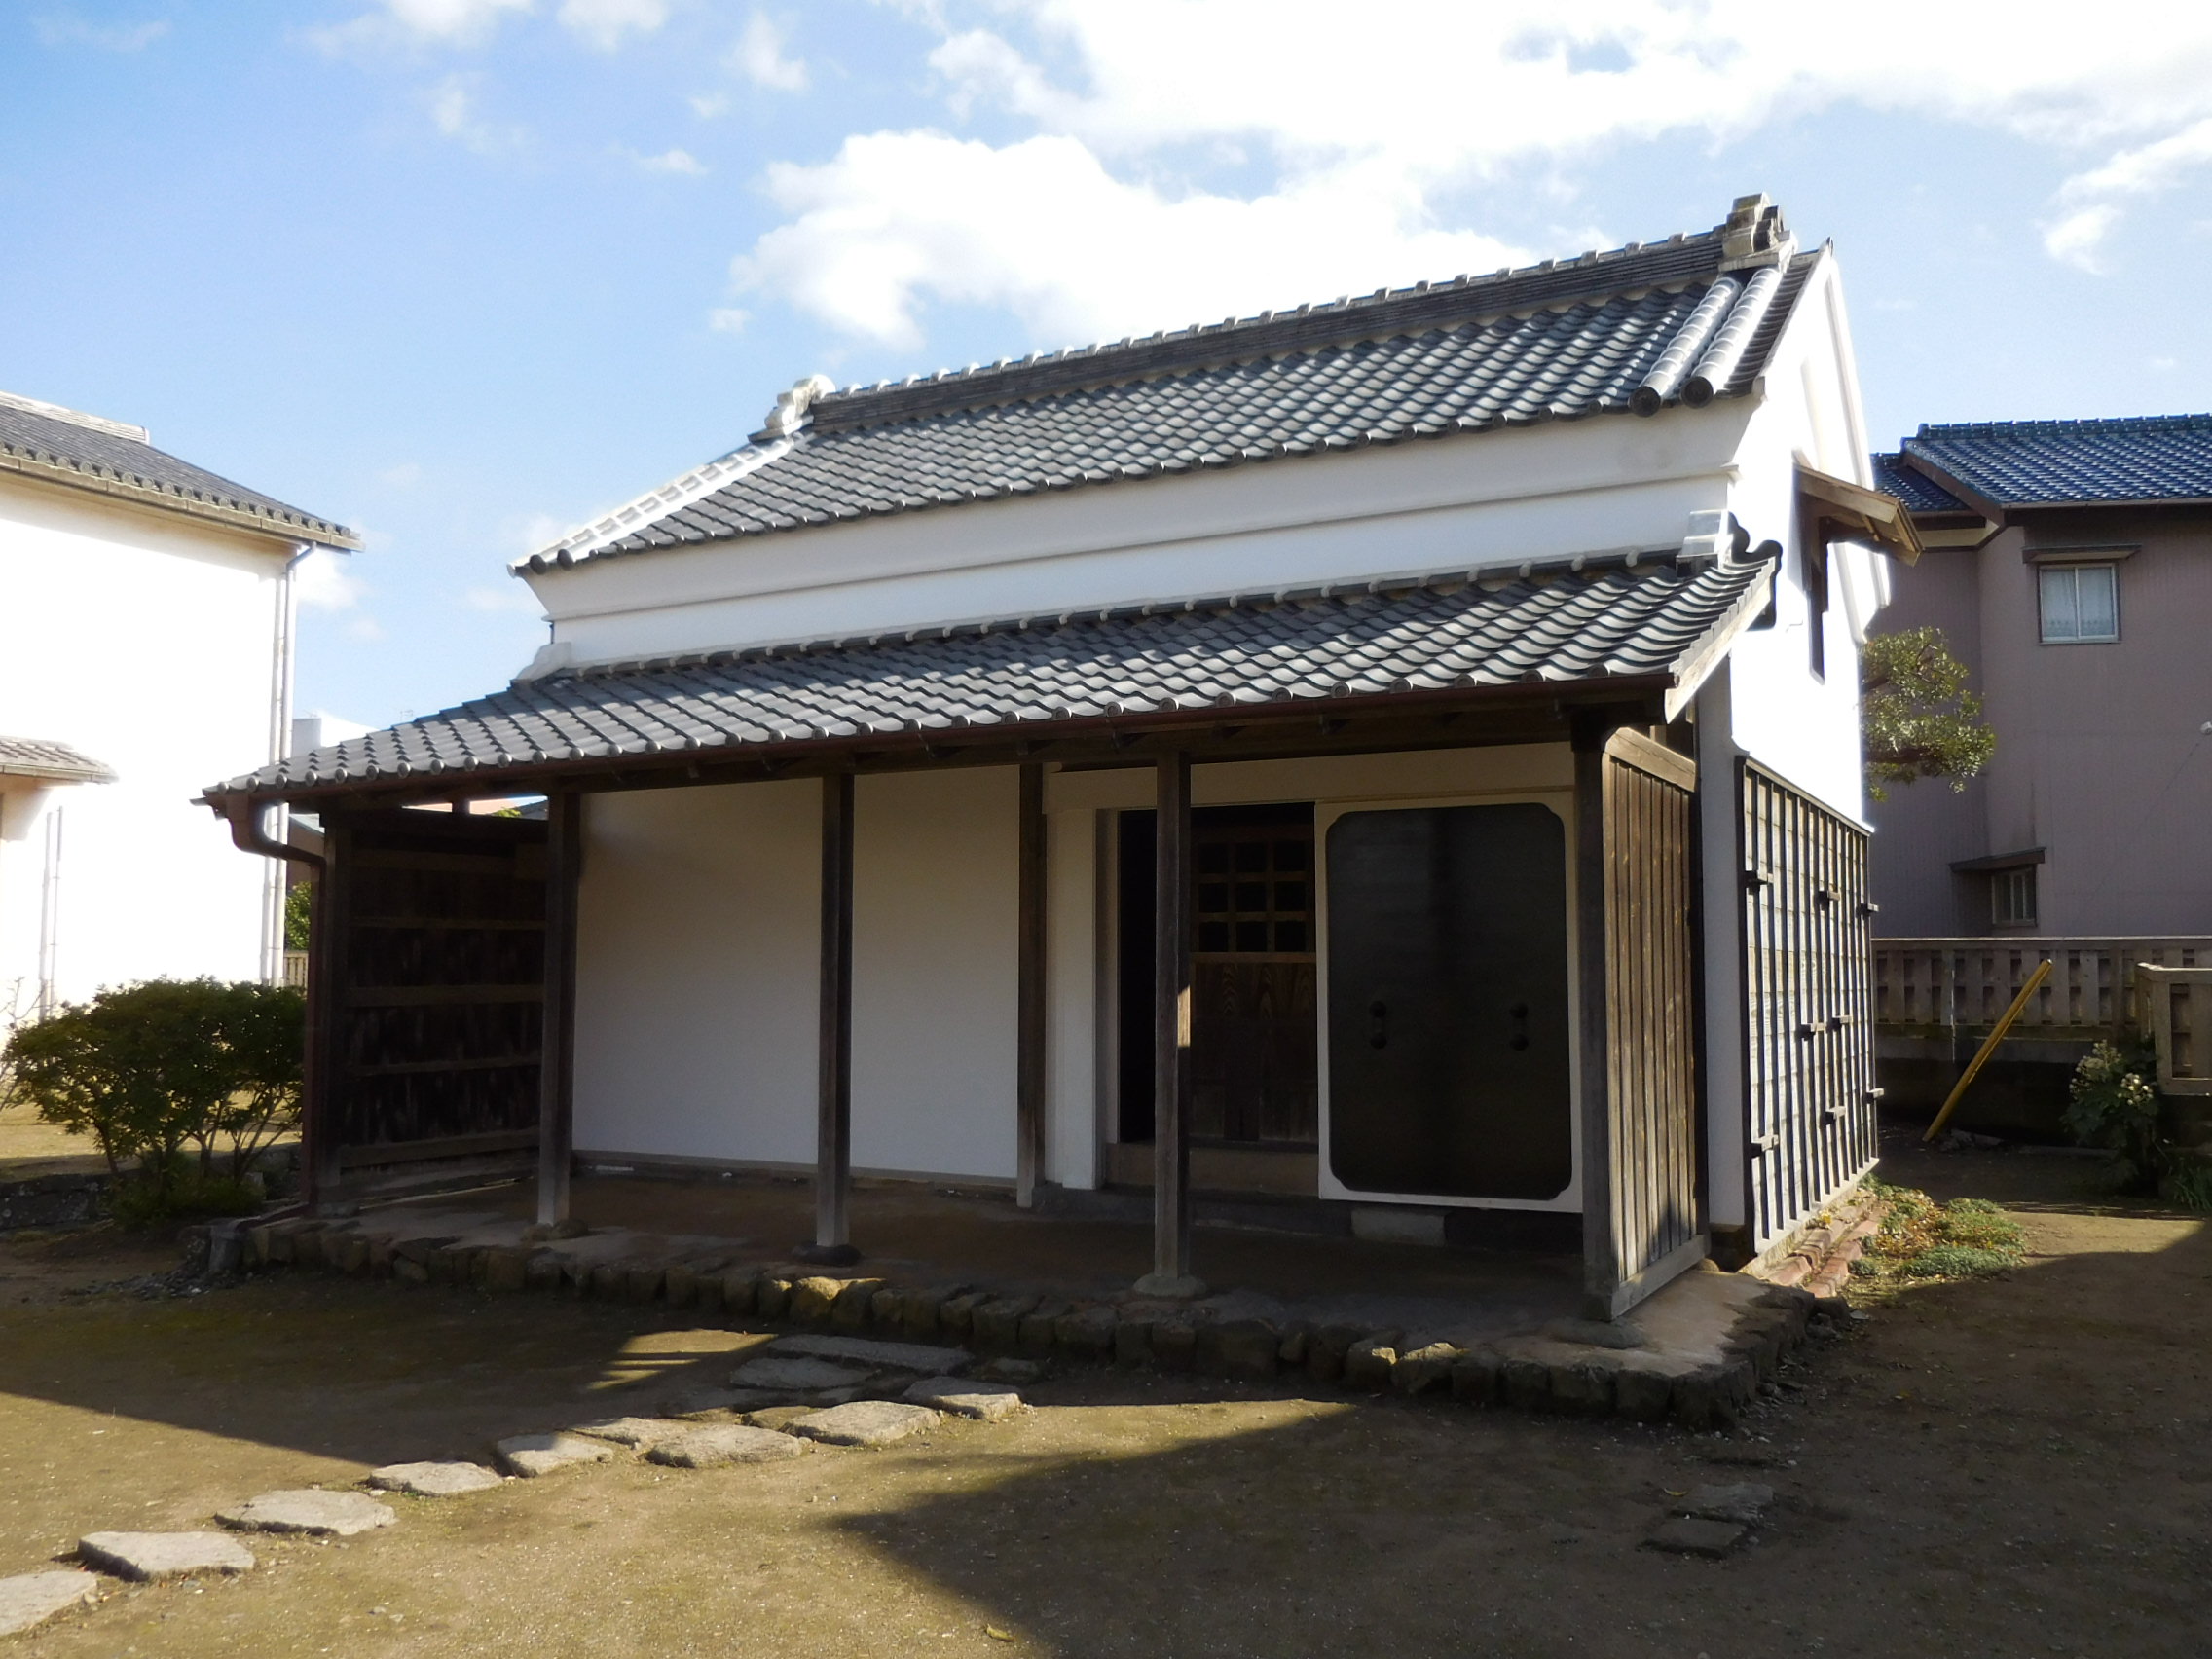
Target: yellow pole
1989 1047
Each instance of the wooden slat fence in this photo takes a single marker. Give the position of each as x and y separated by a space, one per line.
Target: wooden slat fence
2176 1008
1650 1227
1809 1039
1925 986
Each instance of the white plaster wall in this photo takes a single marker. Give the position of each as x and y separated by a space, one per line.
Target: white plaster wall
698 962
936 916
144 639
1495 498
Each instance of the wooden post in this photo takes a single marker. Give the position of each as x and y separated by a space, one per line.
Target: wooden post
1170 1274
1600 1271
556 1039
1029 994
322 1080
833 1138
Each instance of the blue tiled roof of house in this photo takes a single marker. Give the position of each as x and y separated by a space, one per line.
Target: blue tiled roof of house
1919 493
2042 463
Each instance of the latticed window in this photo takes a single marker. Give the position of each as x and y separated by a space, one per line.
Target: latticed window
1255 890
2013 897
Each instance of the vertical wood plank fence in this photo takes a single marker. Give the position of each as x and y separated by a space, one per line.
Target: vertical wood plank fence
1808 981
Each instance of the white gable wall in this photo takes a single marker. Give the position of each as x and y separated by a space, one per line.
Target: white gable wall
1498 498
144 639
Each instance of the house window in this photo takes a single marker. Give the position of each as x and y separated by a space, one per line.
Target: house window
2081 603
1256 889
2013 896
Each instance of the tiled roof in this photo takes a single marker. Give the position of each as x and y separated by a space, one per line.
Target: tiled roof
38 757
1638 328
42 440
1583 621
2044 464
1915 489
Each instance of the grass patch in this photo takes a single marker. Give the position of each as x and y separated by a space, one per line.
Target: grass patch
1920 1238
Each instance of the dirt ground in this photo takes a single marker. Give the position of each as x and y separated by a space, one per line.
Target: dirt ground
2016 1466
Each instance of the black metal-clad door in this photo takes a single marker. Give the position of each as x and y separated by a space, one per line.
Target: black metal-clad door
1448 1002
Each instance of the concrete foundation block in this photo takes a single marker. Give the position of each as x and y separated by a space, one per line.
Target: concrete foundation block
1371 1362
854 1304
1240 1347
1582 1388
997 1322
771 1296
1427 1368
1525 1384
641 1281
1645 1396
956 1314
1174 1345
505 1268
1325 1351
1475 1376
1040 1326
1086 1333
812 1299
1132 1342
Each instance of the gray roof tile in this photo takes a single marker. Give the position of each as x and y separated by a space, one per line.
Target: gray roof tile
1588 620
41 757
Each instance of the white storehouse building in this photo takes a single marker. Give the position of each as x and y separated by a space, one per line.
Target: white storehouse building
1396 758
145 642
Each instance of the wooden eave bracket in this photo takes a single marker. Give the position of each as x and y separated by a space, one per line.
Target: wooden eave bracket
1859 513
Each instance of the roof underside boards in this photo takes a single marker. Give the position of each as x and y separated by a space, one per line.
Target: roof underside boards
1556 343
1649 620
2050 463
44 446
53 763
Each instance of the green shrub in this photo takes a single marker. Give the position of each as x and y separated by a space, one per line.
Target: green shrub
2115 1104
299 906
170 1075
1919 1238
1956 1261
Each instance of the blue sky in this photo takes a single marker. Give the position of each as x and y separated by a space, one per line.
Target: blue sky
462 273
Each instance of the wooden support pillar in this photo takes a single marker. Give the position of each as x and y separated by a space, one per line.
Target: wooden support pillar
323 1080
1170 1274
1593 1039
557 1043
834 1102
1029 995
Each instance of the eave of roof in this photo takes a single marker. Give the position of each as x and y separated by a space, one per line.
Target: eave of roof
1600 628
48 762
2006 467
46 444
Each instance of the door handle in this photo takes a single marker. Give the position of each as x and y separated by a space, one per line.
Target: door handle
1377 1026
1519 1013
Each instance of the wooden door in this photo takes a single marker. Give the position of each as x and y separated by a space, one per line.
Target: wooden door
1448 1015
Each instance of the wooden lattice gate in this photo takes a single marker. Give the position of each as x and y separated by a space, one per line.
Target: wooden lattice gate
1642 1221
426 1000
1809 1019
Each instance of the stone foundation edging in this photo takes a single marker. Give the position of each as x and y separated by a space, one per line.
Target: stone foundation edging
53 1200
1537 1371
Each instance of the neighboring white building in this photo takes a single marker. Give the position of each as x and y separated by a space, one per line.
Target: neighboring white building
145 642
851 737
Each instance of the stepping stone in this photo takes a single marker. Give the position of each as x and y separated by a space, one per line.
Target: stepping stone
701 1402
864 1422
989 1401
311 1510
1742 1502
796 1374
434 1480
641 1433
924 1358
146 1557
779 1417
533 1455
37 1596
722 1443
1687 1535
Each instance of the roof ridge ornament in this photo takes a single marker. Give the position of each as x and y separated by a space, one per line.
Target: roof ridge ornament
1753 234
790 415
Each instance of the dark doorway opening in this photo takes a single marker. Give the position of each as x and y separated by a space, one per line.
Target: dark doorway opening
1254 1016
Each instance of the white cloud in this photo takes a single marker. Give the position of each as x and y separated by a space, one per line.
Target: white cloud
604 22
449 22
897 220
758 55
728 320
322 582
1104 212
708 105
405 476
106 37
670 162
453 112
2092 199
364 628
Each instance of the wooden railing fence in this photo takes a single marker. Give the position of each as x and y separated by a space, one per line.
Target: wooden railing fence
2176 1004
1929 985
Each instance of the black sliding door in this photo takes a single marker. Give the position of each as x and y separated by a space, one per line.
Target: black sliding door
1447 1015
